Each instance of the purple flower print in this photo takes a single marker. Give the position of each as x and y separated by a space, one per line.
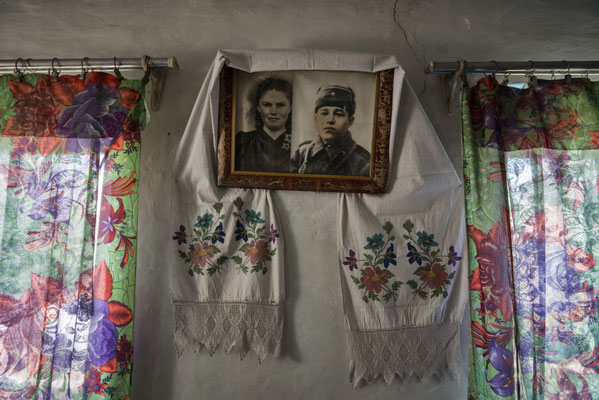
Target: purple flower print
94 120
102 335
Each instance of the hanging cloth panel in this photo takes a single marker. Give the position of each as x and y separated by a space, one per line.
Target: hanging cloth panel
402 272
531 168
69 162
415 326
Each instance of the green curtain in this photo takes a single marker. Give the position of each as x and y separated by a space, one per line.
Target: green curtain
531 169
69 162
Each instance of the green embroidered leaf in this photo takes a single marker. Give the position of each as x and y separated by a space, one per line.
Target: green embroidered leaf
264 270
437 292
387 296
379 261
257 267
182 254
212 270
392 238
422 293
362 285
363 272
412 284
251 236
396 285
450 277
236 259
221 260
406 237
356 280
273 252
236 214
213 247
369 257
198 270
244 269
373 296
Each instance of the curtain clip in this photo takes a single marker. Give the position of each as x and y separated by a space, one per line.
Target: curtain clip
54 72
19 73
84 71
145 63
568 77
117 72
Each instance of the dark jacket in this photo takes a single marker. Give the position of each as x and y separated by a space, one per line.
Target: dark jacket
256 151
344 157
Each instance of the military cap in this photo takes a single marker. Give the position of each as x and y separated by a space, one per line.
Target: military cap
336 96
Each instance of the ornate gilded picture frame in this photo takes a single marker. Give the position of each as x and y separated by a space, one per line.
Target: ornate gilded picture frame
305 130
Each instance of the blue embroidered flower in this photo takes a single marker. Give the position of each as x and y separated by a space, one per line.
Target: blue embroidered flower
180 235
218 235
204 222
351 261
374 242
426 240
413 255
389 256
240 232
253 217
453 257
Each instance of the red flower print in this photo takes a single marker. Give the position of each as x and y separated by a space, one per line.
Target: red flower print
123 352
110 219
580 260
374 279
491 305
492 256
35 109
255 251
201 253
433 275
594 139
93 383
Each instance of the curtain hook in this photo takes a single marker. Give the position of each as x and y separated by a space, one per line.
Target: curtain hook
506 78
568 77
55 72
84 71
117 72
27 65
496 68
145 63
19 73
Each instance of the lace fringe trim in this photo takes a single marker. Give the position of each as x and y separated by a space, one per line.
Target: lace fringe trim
420 351
240 326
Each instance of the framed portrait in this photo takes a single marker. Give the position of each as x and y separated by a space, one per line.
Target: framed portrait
305 130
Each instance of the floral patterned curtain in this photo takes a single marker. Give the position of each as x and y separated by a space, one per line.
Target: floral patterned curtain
69 161
531 169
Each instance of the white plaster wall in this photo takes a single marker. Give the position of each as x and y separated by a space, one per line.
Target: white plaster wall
315 361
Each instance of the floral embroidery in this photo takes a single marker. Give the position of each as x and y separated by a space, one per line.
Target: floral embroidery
375 280
433 274
253 254
257 240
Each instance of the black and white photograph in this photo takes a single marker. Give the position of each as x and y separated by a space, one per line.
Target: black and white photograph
304 130
263 122
334 124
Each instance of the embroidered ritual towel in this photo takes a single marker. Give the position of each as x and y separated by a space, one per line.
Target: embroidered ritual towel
402 278
227 284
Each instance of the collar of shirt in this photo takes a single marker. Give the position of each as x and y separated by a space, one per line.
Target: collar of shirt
337 151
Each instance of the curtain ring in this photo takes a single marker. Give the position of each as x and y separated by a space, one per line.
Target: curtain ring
145 63
19 73
532 79
27 65
84 71
55 73
117 72
506 78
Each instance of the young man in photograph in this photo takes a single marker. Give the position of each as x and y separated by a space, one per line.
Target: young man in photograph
333 152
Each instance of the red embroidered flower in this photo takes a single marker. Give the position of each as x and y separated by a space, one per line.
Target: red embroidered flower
374 279
201 253
255 251
433 275
35 109
579 259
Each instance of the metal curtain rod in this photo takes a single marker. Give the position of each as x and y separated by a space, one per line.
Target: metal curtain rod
77 64
155 68
513 67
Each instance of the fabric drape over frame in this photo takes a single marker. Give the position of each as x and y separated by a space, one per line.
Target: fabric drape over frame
530 165
69 162
400 254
